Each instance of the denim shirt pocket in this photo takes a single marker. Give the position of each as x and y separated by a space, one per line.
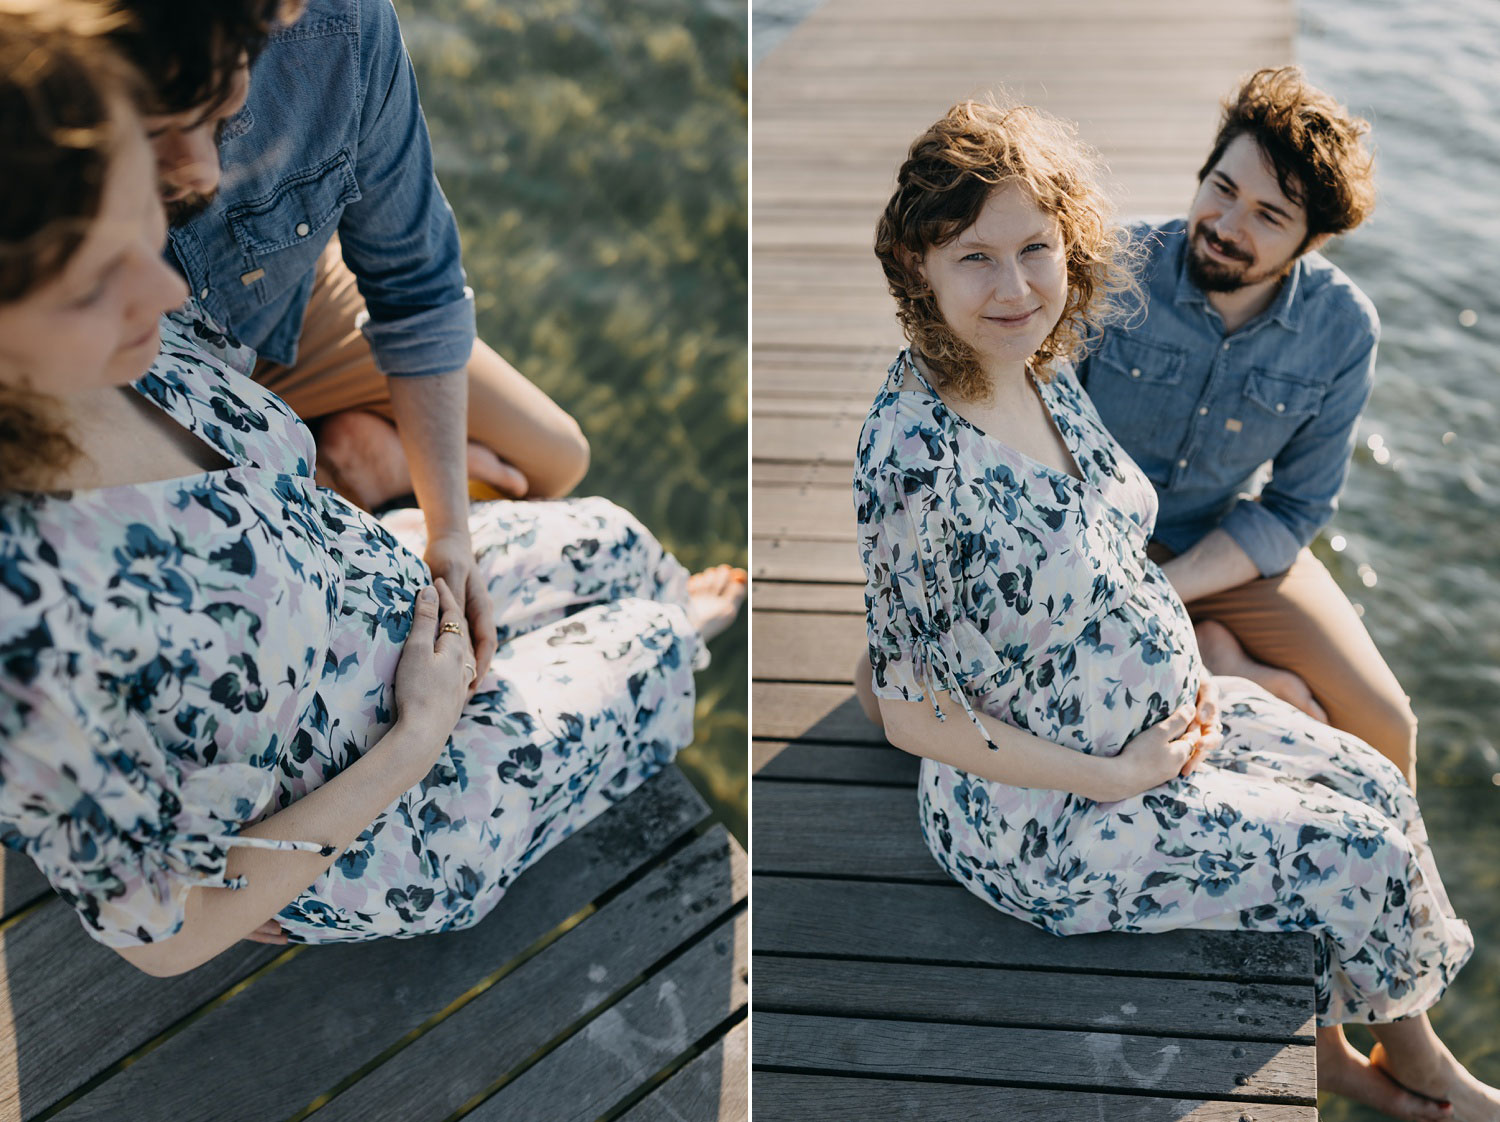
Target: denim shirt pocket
278 233
1282 399
1135 382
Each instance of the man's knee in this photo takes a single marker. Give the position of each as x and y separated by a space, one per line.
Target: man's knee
1390 727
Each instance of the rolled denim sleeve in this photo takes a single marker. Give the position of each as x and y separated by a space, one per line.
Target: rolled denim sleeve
400 239
1309 472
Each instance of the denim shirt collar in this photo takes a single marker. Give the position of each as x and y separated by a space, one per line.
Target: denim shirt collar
1284 309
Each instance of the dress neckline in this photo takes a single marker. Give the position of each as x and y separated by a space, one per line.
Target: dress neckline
230 463
1081 479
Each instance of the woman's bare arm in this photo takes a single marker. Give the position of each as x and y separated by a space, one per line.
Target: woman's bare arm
1020 759
431 684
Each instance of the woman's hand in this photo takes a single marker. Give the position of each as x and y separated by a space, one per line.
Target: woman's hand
1167 748
451 558
1205 723
269 932
437 667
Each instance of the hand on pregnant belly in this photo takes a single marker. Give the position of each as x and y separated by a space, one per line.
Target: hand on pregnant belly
1168 748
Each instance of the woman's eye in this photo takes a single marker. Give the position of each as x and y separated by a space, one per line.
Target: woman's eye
973 257
89 298
1036 246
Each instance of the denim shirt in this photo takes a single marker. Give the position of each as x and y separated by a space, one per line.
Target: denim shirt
332 139
1201 411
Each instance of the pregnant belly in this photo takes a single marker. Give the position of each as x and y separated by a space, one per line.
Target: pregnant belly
1128 670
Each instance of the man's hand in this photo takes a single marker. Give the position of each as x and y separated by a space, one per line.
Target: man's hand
451 557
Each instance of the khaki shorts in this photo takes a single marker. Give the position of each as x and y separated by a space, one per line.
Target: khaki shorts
335 371
1301 621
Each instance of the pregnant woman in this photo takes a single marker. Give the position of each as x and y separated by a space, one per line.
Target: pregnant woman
231 703
1081 770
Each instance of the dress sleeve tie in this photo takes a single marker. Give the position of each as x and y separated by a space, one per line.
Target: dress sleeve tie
949 651
210 805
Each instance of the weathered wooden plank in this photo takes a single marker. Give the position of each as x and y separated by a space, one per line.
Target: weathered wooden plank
800 560
1217 1069
631 1041
837 829
944 924
1034 999
792 596
790 711
23 883
835 477
478 1044
366 999
808 646
713 1087
840 763
73 1007
807 514
807 439
787 1098
818 403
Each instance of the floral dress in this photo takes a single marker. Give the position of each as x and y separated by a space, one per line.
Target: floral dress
1026 594
181 658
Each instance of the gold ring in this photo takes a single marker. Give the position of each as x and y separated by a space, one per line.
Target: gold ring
452 627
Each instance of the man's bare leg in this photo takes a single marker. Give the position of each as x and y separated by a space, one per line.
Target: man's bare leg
1343 1071
1303 623
1223 654
361 457
1410 1052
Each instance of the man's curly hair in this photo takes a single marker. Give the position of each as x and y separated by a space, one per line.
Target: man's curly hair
1315 145
949 173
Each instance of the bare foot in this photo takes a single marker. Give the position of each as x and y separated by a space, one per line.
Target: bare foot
716 596
1343 1071
1223 654
1441 1077
361 457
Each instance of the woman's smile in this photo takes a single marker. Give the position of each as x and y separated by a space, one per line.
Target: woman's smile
1020 319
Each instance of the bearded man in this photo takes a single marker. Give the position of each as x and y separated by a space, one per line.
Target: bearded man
1248 349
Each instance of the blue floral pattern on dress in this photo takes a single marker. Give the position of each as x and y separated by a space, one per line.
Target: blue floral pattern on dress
180 658
1025 593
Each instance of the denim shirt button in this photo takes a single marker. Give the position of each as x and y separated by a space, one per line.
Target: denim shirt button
1182 463
1135 371
203 293
1203 411
303 229
1225 347
1281 407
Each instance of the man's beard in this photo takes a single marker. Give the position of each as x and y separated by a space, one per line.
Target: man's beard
182 211
1218 276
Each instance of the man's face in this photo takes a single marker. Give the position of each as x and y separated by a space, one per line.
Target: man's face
1242 230
187 151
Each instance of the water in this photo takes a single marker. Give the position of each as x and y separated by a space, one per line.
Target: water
1421 516
1422 509
596 156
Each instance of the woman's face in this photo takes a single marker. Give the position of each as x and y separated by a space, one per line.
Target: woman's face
1001 285
95 324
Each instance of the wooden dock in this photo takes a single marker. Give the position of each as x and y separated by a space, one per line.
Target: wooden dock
883 990
609 983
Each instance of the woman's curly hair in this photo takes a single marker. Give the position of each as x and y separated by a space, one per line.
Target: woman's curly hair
949 173
62 88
